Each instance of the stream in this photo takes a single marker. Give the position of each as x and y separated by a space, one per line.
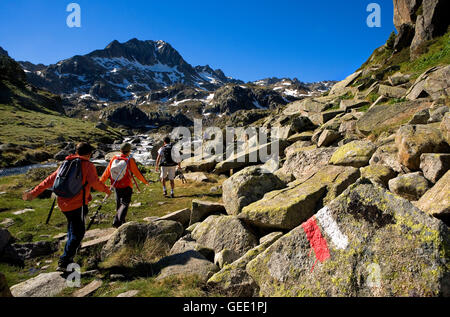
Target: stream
141 153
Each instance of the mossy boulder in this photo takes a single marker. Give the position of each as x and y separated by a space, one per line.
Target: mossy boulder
355 153
436 201
409 186
225 232
247 186
201 209
378 174
134 233
434 165
445 127
414 140
304 162
188 263
382 117
366 242
387 155
287 208
233 280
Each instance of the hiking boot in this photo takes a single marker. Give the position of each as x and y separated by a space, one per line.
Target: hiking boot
62 267
172 195
165 193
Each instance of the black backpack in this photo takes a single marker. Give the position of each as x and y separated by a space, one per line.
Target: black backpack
69 180
166 156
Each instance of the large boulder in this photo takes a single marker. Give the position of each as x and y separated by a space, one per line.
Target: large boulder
434 165
414 140
182 216
340 86
405 12
387 155
188 263
43 285
433 83
287 208
201 209
233 279
304 162
133 233
247 186
367 242
409 186
356 154
225 232
199 164
35 249
392 92
436 201
388 116
378 174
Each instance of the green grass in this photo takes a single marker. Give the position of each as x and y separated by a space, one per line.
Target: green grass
44 131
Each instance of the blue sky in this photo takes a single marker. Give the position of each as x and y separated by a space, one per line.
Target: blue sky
247 39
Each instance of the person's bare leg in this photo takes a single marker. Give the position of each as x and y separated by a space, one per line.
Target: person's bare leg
163 181
172 186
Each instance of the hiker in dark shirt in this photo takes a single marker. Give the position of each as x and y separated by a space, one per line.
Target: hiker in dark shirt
168 166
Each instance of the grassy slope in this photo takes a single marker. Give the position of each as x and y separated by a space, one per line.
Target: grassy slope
31 227
24 120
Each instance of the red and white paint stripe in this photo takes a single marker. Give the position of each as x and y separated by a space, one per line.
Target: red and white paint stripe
316 239
331 228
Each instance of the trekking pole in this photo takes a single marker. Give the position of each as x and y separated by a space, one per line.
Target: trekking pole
51 211
104 199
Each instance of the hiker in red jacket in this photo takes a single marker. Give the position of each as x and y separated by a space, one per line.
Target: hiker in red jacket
73 207
120 171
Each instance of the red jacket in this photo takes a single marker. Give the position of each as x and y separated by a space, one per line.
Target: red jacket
89 176
126 180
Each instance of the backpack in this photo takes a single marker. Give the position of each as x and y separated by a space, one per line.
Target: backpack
166 156
69 179
119 168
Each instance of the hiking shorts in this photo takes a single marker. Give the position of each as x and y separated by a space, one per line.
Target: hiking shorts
168 172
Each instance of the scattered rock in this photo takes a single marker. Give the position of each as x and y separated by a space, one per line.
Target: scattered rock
224 257
189 263
233 280
200 210
356 154
388 116
327 138
414 140
35 249
7 222
437 115
247 186
305 162
182 216
43 285
197 177
287 208
387 155
340 86
131 293
186 243
134 233
420 117
434 165
23 211
88 289
409 186
392 92
378 174
225 232
436 201
365 229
